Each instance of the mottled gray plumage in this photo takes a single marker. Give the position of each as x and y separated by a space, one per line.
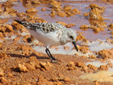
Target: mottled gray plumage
45 27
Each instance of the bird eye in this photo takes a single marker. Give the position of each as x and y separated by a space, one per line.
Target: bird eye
71 37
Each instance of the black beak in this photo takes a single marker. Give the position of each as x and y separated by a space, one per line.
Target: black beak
74 43
20 22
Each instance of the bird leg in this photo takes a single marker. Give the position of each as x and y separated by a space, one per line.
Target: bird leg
50 55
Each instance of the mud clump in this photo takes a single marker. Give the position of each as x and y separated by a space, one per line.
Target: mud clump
18 27
95 19
25 50
81 38
66 47
28 3
31 10
63 23
96 11
84 49
43 9
65 11
60 78
106 54
1 72
71 66
84 27
45 66
110 26
92 67
22 68
66 25
80 64
7 9
96 83
95 28
111 34
4 81
32 65
92 57
6 28
103 67
67 79
108 1
42 80
4 56
86 68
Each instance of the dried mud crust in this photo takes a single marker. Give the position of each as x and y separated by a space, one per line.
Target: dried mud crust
37 69
21 65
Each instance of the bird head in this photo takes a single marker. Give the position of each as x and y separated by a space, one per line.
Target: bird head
71 34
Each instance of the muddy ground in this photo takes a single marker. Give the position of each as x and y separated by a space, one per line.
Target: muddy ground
20 64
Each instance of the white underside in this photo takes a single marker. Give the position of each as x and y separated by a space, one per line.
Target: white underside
47 39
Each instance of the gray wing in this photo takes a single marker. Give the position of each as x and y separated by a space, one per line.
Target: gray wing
44 27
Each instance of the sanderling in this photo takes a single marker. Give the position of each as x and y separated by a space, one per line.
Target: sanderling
50 34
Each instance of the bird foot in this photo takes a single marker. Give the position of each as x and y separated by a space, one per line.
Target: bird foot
54 60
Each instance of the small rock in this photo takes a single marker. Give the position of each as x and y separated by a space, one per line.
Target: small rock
10 75
32 10
30 67
92 67
103 67
72 68
1 73
80 64
33 59
22 68
63 23
50 83
96 83
4 81
60 77
92 57
54 79
49 64
71 64
85 69
66 79
45 66
43 9
9 28
43 81
36 2
58 83
110 65
38 66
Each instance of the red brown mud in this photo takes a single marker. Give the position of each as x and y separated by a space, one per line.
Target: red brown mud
21 65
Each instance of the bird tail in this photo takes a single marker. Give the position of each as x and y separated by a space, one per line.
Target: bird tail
20 22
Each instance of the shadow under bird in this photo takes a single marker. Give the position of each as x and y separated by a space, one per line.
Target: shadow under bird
50 34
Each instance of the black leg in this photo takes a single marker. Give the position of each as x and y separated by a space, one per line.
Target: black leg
50 55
